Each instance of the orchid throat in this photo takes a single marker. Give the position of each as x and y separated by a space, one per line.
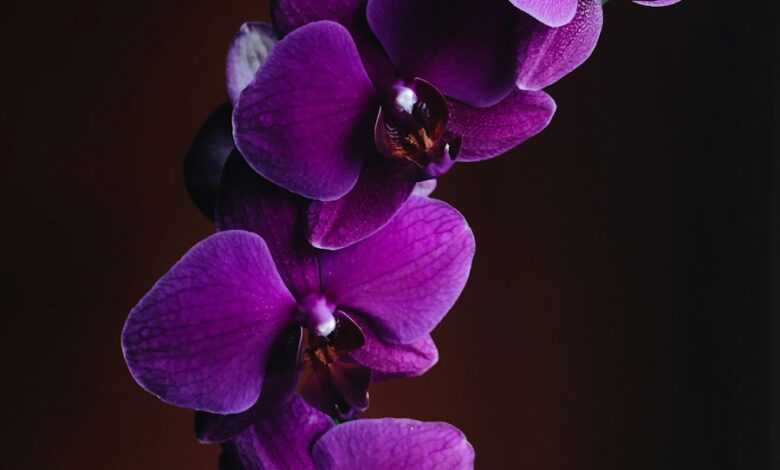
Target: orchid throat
412 127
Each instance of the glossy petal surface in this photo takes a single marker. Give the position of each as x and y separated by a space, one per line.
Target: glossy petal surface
550 12
391 443
304 122
282 439
249 202
281 378
201 336
406 276
547 54
387 360
247 53
489 132
468 51
384 186
206 157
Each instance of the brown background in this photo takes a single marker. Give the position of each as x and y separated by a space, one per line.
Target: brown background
617 314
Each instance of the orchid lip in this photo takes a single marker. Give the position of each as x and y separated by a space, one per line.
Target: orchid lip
329 380
411 126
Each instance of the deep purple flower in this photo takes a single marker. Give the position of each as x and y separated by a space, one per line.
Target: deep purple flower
208 154
337 116
297 436
202 337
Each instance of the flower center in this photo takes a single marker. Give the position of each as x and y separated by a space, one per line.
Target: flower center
412 126
329 379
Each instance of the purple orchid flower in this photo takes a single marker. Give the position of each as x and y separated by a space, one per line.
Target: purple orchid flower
203 336
336 116
213 144
298 436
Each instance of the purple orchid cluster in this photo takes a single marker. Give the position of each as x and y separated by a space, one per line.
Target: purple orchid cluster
331 264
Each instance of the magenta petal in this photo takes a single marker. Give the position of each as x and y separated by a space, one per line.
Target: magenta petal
388 360
407 275
247 53
249 202
392 443
656 3
550 12
281 378
382 188
283 439
292 14
468 51
304 122
200 338
547 54
489 132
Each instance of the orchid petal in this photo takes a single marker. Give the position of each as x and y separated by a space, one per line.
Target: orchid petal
387 360
282 439
553 13
489 132
393 443
407 275
249 202
382 189
547 54
467 51
304 122
200 338
281 378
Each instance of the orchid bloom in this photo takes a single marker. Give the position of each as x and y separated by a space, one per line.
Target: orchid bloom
203 336
337 114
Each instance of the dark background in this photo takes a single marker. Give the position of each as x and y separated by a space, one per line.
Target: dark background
618 314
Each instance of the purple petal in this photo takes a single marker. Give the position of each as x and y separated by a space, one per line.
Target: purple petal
547 54
656 3
304 122
283 439
392 443
406 276
383 187
289 15
550 12
489 132
205 159
394 360
468 52
249 202
201 336
281 378
247 53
